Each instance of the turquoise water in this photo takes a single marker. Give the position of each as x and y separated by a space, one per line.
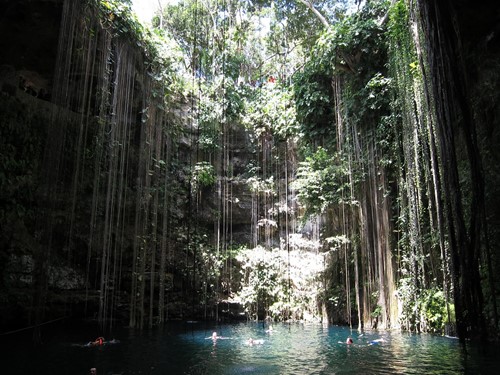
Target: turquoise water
186 348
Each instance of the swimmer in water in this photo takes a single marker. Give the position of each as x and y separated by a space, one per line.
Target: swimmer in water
349 341
270 329
376 341
252 342
97 342
214 337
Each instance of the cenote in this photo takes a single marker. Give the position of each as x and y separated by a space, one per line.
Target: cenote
240 161
296 348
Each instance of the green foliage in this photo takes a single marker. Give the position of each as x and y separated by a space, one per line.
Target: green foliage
377 312
422 310
233 100
322 180
261 186
353 48
398 21
203 176
299 22
263 281
210 35
313 100
210 113
433 305
278 283
270 110
377 91
119 15
202 266
406 294
188 22
162 55
355 45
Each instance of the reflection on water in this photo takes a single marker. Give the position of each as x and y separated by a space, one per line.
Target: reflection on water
184 348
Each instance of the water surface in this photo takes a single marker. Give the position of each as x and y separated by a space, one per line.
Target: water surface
187 348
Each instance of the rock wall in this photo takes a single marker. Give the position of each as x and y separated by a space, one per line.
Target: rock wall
81 176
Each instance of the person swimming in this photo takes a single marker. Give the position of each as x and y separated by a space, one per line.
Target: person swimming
100 341
349 341
251 342
376 341
97 342
216 337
